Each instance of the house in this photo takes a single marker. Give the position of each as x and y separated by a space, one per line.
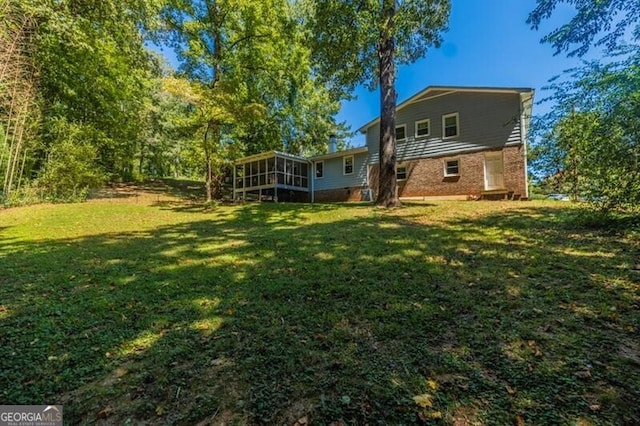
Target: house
452 142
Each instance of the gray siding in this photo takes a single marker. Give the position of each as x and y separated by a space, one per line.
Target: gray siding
486 120
334 177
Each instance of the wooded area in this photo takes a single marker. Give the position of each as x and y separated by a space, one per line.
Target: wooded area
84 101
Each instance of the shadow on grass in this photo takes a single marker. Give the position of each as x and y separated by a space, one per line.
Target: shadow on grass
262 315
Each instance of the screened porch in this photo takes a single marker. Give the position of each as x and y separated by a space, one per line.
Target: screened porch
271 176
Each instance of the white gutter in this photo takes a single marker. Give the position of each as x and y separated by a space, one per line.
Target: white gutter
523 138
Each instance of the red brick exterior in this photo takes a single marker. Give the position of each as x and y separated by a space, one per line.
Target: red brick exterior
425 177
340 194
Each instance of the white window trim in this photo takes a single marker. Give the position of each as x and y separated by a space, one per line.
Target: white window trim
344 164
405 132
428 121
406 172
445 167
315 169
444 118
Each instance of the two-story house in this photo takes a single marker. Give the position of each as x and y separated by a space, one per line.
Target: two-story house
452 142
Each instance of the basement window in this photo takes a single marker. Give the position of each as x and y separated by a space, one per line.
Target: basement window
401 173
452 168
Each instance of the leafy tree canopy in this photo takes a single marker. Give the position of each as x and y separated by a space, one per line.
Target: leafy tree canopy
346 36
599 22
590 140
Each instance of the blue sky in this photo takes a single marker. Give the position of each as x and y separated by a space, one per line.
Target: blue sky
488 44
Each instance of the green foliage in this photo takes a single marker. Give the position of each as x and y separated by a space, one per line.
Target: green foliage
96 72
72 168
346 37
167 138
246 72
93 73
611 20
593 149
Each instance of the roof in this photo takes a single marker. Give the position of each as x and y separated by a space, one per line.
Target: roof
525 92
269 154
351 151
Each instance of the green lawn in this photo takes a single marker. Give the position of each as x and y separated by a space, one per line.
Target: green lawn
141 306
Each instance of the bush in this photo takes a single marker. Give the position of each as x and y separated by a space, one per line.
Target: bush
71 171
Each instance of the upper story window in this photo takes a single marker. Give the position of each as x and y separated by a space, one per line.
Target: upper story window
401 132
423 128
450 125
347 165
319 169
452 167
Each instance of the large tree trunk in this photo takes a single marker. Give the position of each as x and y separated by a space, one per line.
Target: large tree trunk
208 163
387 196
214 17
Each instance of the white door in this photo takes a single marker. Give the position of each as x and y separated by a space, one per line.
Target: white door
493 171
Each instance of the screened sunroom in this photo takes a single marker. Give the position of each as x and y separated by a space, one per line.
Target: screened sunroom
271 176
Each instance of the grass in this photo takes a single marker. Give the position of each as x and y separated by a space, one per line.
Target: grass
146 306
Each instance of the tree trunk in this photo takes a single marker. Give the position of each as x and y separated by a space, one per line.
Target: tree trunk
214 17
387 196
208 161
209 181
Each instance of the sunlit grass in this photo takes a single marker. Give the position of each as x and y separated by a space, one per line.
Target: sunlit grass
154 309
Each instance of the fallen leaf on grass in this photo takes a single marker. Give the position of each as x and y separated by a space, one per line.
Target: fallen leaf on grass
510 390
105 412
302 421
519 420
534 347
424 400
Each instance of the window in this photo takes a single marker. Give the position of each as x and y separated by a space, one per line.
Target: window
423 128
319 169
347 165
401 173
452 167
285 171
450 125
401 132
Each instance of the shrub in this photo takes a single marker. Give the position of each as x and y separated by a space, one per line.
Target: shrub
71 170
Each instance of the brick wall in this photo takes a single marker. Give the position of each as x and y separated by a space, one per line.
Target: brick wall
425 177
514 170
340 194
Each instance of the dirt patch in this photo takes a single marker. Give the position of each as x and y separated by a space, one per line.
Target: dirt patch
157 191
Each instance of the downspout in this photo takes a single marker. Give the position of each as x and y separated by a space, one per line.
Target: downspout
523 133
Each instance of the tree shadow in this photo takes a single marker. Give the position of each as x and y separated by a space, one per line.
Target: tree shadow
262 314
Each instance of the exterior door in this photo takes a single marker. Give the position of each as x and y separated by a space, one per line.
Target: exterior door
493 171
